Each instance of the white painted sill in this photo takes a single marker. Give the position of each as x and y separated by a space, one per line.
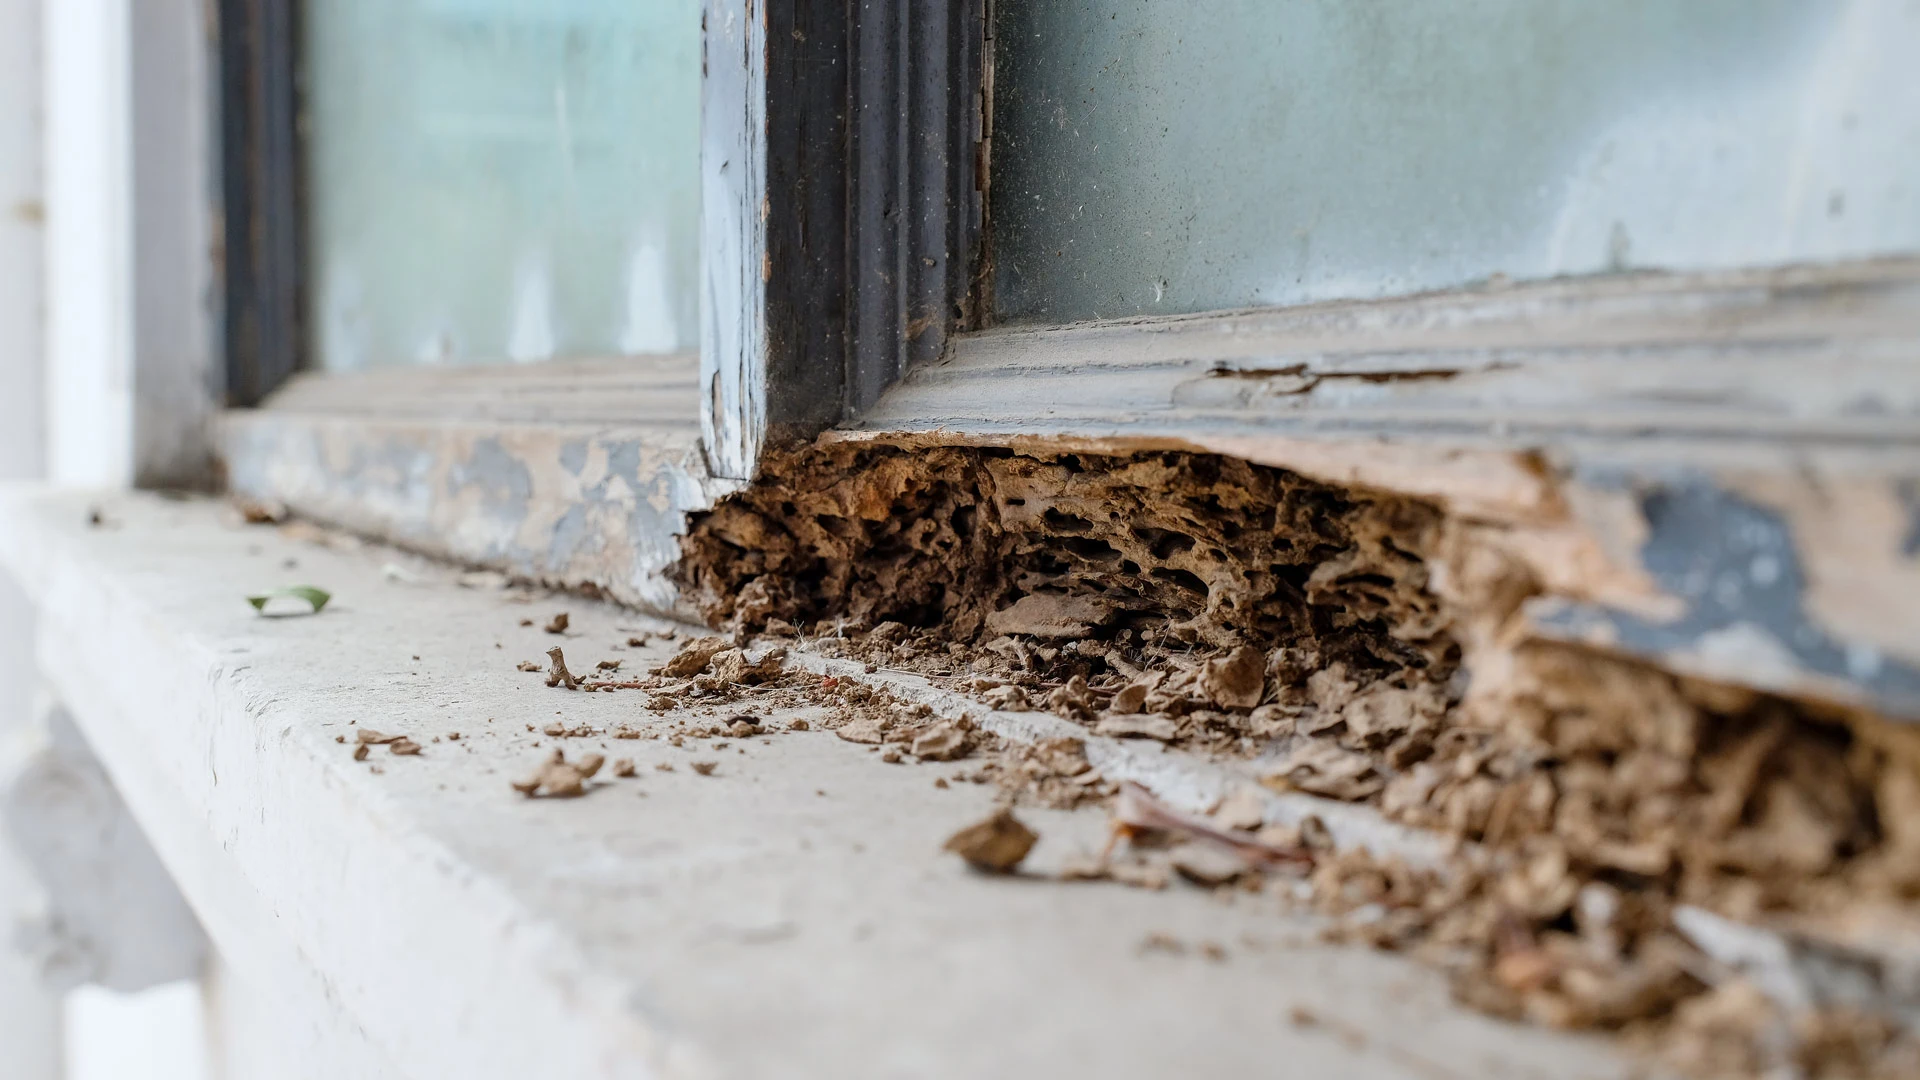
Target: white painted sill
790 915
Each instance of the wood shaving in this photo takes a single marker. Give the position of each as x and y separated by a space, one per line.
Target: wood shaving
557 624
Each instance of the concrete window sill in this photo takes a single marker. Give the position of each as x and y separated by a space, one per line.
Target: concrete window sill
790 914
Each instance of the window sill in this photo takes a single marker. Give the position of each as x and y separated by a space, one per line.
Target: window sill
733 924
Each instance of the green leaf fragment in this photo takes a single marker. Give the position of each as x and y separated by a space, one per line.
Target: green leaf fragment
317 598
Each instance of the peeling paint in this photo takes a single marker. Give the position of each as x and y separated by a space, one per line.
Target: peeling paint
602 510
1734 566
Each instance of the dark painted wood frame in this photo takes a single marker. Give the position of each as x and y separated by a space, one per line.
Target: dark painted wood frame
263 273
843 206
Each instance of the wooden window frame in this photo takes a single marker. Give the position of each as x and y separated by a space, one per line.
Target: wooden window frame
1621 432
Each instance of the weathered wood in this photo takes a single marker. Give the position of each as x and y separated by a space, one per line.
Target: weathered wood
1718 473
264 275
840 208
916 197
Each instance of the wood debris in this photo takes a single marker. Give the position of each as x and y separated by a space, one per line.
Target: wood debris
557 673
1325 768
943 742
557 624
260 511
557 778
704 768
1236 680
623 767
996 845
1243 612
692 657
1137 813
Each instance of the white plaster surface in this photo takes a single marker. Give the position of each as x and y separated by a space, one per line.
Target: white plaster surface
790 915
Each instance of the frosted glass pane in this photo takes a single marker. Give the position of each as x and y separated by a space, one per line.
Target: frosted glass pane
494 180
1152 157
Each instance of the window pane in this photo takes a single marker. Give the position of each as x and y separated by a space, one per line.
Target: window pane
494 180
1154 157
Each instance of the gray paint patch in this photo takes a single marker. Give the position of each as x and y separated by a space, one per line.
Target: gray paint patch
1909 493
505 485
571 535
1734 565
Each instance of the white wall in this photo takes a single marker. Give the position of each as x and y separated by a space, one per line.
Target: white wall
105 343
29 1016
89 242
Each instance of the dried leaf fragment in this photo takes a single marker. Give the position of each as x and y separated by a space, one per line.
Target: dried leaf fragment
993 846
314 598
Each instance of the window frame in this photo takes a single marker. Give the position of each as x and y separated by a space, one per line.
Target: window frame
844 296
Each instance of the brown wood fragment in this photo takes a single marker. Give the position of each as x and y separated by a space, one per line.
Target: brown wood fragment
558 778
996 845
557 674
558 624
